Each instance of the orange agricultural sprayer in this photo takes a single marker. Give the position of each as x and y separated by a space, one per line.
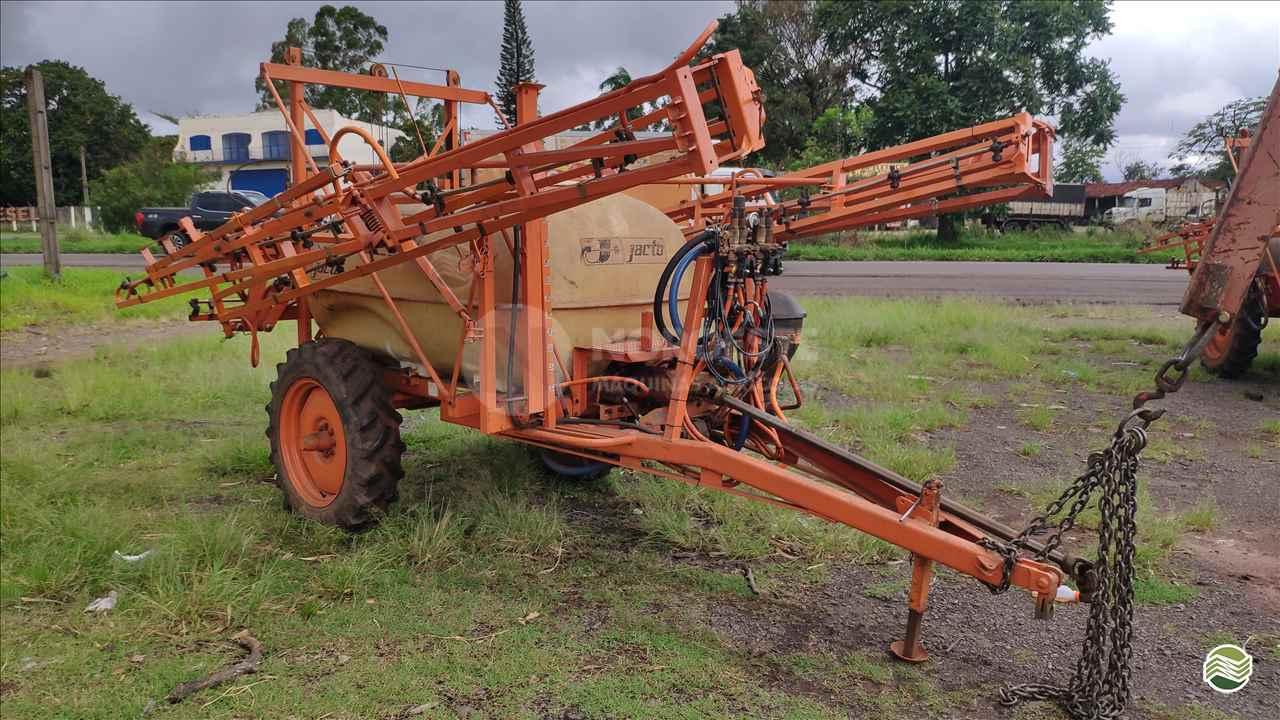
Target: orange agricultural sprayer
552 305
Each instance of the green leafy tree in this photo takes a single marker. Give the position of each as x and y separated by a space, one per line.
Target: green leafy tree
430 122
837 133
940 65
342 39
1201 151
618 80
80 112
801 73
1081 162
515 64
153 179
1140 170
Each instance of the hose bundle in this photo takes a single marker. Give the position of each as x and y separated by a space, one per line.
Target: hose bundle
730 322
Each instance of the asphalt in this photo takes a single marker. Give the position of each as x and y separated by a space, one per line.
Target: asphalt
1111 283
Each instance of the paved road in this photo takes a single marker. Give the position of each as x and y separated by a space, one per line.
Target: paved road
1025 282
107 260
1022 281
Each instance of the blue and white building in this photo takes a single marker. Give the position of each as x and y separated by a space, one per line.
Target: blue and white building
252 151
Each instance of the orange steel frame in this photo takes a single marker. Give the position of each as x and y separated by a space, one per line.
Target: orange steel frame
260 267
1006 159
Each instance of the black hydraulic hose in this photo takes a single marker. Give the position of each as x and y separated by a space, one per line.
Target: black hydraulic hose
660 293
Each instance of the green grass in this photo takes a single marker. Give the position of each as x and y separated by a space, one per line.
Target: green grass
1203 517
75 240
1097 245
488 589
83 295
476 582
1271 429
913 350
1038 418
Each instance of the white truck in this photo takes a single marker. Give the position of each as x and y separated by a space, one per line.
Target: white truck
1144 205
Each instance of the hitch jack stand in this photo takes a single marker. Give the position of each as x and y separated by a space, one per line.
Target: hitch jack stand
910 648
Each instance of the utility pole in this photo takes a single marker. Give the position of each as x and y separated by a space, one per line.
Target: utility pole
84 179
43 166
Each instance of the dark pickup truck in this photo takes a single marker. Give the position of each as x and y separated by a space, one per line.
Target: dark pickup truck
207 211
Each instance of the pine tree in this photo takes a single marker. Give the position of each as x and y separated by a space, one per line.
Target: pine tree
516 64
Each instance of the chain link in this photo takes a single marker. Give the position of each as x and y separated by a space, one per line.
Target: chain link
1099 690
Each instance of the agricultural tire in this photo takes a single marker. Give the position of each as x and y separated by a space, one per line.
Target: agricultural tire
1230 354
572 468
334 434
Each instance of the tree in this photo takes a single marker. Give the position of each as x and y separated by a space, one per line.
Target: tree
152 179
1202 150
515 64
800 72
618 80
940 65
80 112
1140 170
837 133
342 39
1081 162
430 122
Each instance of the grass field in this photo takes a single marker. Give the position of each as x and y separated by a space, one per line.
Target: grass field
977 244
74 240
83 295
490 590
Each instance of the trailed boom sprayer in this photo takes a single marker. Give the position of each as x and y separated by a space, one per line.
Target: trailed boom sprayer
553 305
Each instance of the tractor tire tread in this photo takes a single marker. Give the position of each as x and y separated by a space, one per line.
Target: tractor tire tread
371 423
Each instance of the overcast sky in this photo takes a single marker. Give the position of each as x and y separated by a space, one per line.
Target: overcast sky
1176 61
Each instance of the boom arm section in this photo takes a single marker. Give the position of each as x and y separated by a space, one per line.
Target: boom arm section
983 165
257 266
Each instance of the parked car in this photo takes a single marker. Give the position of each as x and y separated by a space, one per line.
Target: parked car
207 211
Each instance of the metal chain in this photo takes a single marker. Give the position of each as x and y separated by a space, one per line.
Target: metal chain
1100 688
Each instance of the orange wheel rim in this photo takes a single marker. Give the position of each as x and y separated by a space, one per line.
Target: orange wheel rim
312 442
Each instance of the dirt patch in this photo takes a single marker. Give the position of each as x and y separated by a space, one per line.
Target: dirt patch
1209 448
979 640
39 347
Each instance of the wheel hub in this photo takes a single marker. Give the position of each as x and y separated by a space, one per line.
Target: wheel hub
312 442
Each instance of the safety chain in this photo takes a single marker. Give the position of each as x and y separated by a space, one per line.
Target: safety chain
1100 688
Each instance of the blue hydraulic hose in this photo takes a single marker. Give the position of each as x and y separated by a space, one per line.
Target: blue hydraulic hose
673 290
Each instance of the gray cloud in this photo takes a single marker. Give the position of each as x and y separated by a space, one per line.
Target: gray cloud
181 58
1176 61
